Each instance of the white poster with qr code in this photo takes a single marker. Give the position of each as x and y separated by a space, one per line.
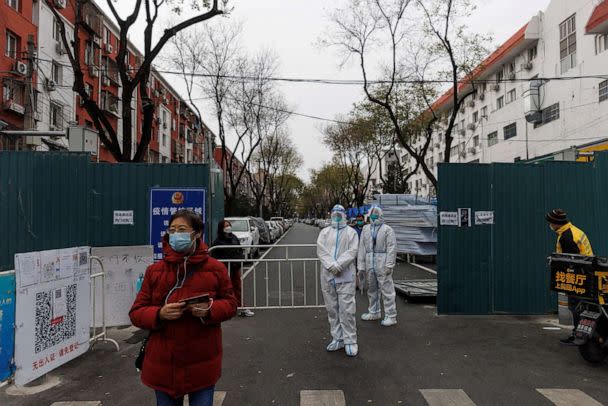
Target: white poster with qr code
52 317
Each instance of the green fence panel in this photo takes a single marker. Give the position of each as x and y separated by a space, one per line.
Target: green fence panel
502 269
57 200
464 277
127 187
43 202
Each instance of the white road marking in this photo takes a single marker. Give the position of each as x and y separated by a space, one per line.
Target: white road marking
322 398
78 403
446 397
568 397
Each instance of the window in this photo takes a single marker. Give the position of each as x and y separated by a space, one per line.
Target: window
511 96
510 67
475 116
56 119
548 114
12 45
462 125
517 159
14 91
56 30
492 138
604 90
57 73
567 43
500 103
107 36
510 131
500 75
164 140
476 141
484 112
601 43
89 54
532 53
13 4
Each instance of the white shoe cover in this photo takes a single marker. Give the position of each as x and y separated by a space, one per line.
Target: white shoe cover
388 321
352 350
371 316
335 346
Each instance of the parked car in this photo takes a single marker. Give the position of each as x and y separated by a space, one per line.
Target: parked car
263 229
275 232
281 222
247 233
323 223
280 226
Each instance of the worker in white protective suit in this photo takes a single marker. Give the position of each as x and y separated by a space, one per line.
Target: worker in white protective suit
337 248
377 256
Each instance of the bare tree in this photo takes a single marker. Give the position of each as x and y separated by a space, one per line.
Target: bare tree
390 30
458 51
87 19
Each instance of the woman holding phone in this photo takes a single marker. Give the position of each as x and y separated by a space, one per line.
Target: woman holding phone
183 300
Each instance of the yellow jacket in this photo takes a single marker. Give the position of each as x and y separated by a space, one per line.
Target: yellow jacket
572 240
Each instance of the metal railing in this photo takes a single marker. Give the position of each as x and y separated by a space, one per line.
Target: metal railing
103 335
281 278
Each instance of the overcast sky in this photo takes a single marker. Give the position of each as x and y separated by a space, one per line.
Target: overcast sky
291 27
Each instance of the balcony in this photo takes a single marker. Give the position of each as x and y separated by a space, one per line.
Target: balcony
91 20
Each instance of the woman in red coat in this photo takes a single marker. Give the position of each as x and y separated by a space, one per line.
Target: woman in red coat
184 351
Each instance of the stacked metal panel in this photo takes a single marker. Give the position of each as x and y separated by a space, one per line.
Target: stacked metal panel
414 220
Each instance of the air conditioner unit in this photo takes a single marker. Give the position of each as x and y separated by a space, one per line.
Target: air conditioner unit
109 48
113 108
105 81
165 126
482 97
496 87
60 3
512 75
97 41
59 48
21 68
157 120
156 93
471 126
93 71
50 85
461 132
527 66
437 145
473 150
131 70
14 107
471 103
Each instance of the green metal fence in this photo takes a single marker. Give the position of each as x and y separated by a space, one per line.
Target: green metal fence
57 200
501 268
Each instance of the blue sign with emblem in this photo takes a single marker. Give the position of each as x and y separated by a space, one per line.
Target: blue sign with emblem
164 202
7 324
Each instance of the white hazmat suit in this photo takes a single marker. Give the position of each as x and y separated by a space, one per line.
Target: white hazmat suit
377 257
337 248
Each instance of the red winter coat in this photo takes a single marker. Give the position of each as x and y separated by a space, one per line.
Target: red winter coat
184 355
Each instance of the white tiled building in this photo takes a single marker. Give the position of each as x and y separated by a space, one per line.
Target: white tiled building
567 41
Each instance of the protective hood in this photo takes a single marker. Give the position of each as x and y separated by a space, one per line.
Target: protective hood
377 210
338 216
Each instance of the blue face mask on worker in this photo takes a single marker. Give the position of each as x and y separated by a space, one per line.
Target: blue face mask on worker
374 217
180 242
359 222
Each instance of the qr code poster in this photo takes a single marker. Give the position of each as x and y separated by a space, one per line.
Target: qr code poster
52 321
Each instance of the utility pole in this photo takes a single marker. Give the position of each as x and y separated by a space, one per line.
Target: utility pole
28 119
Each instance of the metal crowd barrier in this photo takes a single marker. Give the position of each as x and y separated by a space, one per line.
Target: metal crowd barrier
292 276
103 336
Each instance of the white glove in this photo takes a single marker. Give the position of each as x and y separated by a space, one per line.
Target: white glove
388 271
334 269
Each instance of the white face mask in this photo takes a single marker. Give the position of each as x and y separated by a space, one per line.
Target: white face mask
227 230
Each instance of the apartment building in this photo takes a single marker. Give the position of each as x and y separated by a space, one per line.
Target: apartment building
18 37
177 133
544 90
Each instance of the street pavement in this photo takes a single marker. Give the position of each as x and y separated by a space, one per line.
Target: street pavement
278 357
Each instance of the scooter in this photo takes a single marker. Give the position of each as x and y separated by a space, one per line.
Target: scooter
586 278
591 334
